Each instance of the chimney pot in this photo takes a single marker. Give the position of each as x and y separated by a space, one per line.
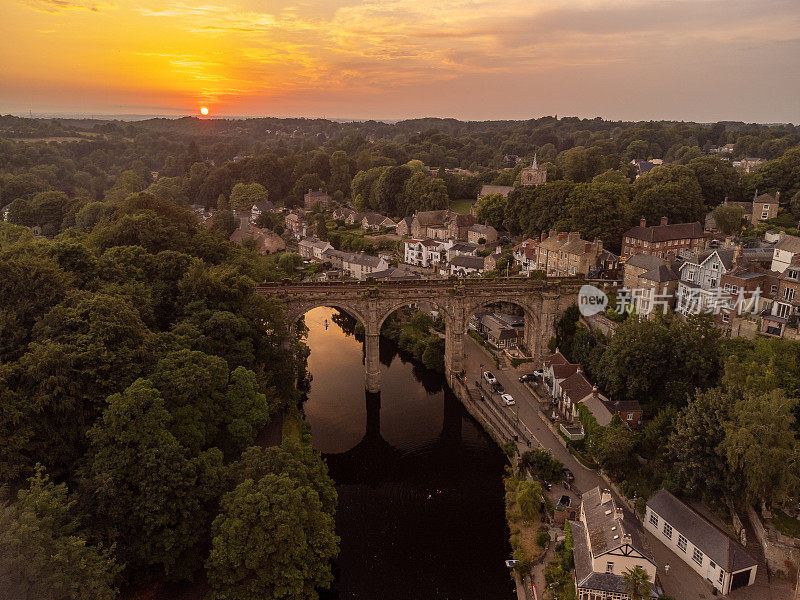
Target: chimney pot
543 236
663 220
642 222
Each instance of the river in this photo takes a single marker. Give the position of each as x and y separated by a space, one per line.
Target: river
419 481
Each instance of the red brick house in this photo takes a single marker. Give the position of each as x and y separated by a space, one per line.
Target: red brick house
663 240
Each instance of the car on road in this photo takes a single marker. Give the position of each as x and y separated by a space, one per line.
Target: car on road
568 475
547 485
489 377
498 388
508 399
563 502
535 375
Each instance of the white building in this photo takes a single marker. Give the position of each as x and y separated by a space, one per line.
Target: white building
785 248
313 249
425 253
715 556
464 265
355 264
605 548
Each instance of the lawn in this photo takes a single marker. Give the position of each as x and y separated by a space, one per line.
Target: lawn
462 205
785 524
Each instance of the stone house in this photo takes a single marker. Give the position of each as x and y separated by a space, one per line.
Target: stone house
714 555
355 264
313 249
605 547
297 225
663 240
341 213
482 234
784 251
374 221
653 278
404 227
313 198
559 254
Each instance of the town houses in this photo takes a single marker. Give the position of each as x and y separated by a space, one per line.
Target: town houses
559 254
663 240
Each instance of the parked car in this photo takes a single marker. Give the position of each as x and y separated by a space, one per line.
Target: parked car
498 387
508 399
563 502
527 377
490 379
547 485
568 476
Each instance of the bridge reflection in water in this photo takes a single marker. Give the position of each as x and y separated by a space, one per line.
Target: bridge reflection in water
420 484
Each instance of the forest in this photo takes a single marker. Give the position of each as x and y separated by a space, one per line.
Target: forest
138 366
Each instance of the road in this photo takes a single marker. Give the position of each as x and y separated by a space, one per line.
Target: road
681 581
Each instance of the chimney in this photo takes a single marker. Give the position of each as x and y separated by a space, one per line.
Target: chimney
595 393
605 496
778 196
642 222
543 236
620 515
574 235
755 195
553 233
663 221
310 190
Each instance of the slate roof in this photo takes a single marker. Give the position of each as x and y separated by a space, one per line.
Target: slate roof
556 359
564 371
463 248
467 262
661 274
577 387
495 189
715 544
599 410
483 229
663 233
375 219
789 243
432 218
395 274
584 574
608 530
726 256
645 261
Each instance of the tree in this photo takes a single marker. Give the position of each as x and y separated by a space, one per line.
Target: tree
729 218
694 449
761 442
668 191
529 499
245 195
309 181
637 583
718 179
271 539
492 208
340 173
321 226
224 222
614 446
289 262
151 498
44 554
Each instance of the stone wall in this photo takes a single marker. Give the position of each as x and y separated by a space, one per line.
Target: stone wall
782 555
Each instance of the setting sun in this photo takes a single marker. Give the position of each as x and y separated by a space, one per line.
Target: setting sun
204 111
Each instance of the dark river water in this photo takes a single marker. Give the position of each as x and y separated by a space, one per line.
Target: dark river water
420 483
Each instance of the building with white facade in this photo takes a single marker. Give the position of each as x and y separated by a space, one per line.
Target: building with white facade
605 548
715 556
425 253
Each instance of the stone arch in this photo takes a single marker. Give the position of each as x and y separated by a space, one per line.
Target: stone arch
295 310
530 310
440 306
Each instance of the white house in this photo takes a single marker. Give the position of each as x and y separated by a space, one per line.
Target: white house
313 249
355 264
605 548
700 279
785 248
715 556
425 253
464 265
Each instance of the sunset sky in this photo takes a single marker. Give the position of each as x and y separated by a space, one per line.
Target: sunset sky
700 60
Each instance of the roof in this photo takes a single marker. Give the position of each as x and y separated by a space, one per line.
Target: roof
265 206
467 262
362 259
715 544
789 243
555 359
645 261
606 527
463 247
763 198
584 575
577 387
430 218
599 410
375 218
660 274
395 274
314 243
725 256
495 189
564 371
483 229
663 233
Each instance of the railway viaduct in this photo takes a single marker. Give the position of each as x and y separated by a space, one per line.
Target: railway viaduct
542 301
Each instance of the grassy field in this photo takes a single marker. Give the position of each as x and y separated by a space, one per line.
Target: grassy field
462 205
785 524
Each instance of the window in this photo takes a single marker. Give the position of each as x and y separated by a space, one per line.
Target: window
654 519
764 214
773 290
697 556
668 531
721 575
788 294
630 416
735 289
609 567
726 317
681 542
712 564
715 266
727 287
